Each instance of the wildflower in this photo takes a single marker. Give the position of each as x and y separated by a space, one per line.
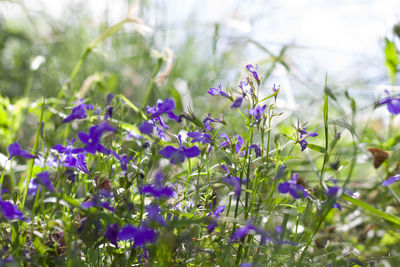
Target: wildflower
243 231
236 140
109 113
163 107
303 136
112 234
153 212
238 102
78 112
233 181
10 211
45 180
97 203
208 120
74 157
257 149
124 160
203 137
157 189
15 150
178 155
391 180
109 98
92 140
213 215
257 112
253 71
141 235
246 87
218 91
146 127
292 187
393 103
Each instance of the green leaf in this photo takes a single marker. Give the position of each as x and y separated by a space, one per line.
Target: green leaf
39 246
317 148
392 59
361 204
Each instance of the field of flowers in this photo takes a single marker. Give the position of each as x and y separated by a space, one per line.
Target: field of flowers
97 173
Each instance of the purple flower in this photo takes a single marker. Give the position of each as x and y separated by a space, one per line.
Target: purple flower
274 89
141 235
303 136
291 187
45 180
391 180
203 137
74 157
109 112
236 140
146 127
163 107
218 91
233 181
253 71
15 150
238 102
208 120
257 112
157 189
11 211
213 215
112 234
257 149
78 112
153 212
33 187
124 160
109 98
92 140
393 103
178 155
246 87
243 231
96 203
246 265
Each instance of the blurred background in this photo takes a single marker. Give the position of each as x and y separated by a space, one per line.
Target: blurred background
192 46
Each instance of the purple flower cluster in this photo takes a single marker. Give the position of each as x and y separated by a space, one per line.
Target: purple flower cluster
157 189
78 112
141 235
236 140
257 112
92 139
292 187
178 155
72 157
303 135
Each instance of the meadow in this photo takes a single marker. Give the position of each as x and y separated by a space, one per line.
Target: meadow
115 152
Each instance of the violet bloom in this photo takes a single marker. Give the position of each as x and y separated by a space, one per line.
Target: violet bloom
163 107
291 187
241 232
146 127
97 203
153 212
237 102
141 235
335 191
213 215
257 112
391 180
112 234
246 87
124 160
109 98
45 180
157 189
233 181
393 103
92 140
11 211
236 140
257 149
203 137
74 157
178 155
78 112
218 91
253 71
109 113
208 120
15 150
303 136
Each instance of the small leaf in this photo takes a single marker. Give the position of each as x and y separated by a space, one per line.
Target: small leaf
317 148
392 59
